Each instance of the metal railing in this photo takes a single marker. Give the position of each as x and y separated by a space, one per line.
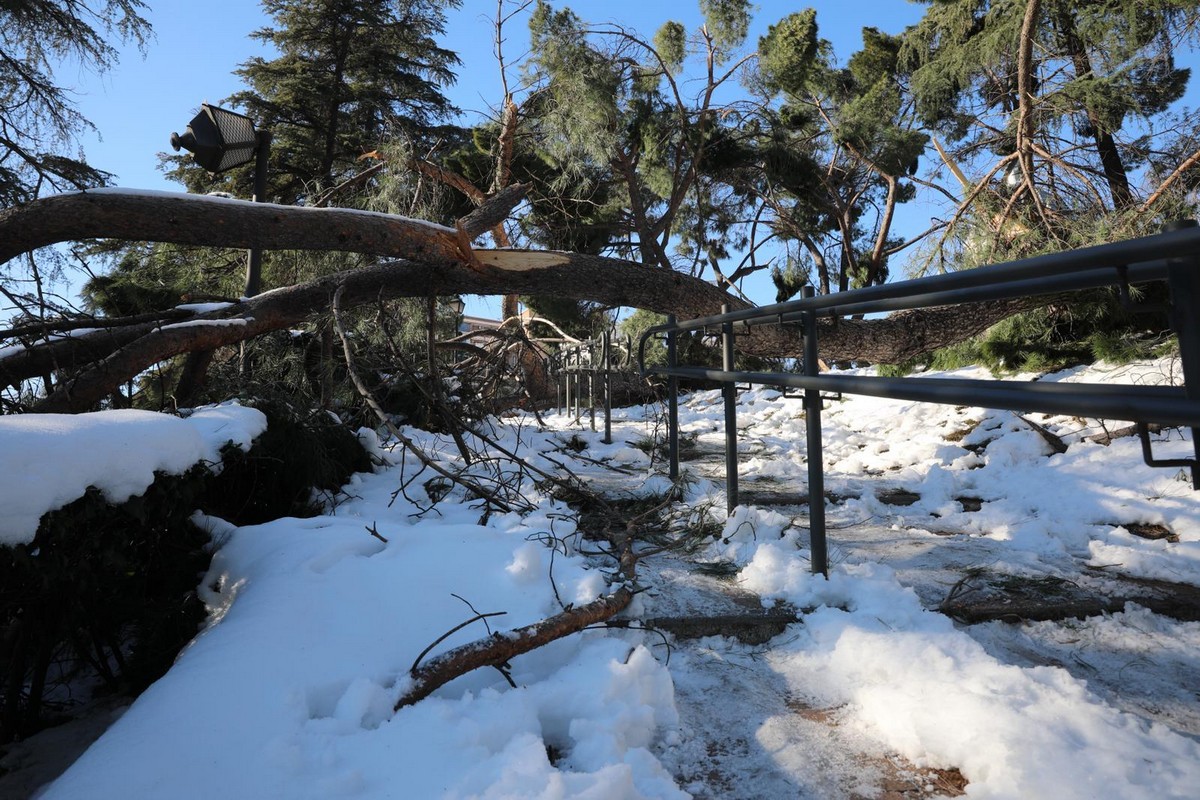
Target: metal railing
593 361
1172 256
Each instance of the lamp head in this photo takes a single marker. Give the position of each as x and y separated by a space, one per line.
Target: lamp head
219 139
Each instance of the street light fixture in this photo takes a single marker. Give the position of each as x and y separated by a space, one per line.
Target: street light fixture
220 140
457 307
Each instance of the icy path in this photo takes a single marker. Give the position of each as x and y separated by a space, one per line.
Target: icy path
952 508
744 732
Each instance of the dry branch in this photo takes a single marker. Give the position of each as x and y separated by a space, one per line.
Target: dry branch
501 647
473 487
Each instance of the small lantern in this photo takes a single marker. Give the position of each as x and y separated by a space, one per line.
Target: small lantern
219 139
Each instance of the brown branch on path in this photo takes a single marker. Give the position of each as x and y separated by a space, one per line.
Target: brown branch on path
449 633
502 647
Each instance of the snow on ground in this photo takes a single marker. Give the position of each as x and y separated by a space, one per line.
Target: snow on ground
314 624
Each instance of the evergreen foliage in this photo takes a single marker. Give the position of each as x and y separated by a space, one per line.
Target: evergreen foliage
305 453
348 77
638 323
108 593
833 154
37 119
106 590
727 22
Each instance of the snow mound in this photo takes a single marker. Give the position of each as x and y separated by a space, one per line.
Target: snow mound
50 460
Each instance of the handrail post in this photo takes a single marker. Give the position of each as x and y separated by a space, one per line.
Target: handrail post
566 373
578 413
1183 280
591 378
672 402
816 458
729 391
607 361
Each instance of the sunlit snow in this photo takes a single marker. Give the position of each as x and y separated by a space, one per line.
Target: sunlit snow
314 623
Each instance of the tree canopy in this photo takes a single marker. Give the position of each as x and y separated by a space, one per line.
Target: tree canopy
705 152
38 120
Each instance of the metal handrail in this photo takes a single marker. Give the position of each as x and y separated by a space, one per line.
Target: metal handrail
1134 261
568 361
1173 256
1164 405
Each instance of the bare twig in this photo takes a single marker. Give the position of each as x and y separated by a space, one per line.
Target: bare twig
413 669
487 496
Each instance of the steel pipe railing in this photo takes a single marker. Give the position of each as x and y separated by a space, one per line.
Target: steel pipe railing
1173 256
591 360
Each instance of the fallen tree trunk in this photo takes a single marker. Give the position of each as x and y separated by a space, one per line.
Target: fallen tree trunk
438 260
215 222
567 274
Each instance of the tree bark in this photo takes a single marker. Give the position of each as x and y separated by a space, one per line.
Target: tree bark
217 222
440 264
497 650
193 378
1025 98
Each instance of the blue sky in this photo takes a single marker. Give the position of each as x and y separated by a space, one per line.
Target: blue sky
136 106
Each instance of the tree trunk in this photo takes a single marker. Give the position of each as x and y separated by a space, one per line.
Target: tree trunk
1106 145
193 378
443 264
1025 96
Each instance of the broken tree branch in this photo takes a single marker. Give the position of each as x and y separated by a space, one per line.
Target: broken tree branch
437 267
492 498
221 222
502 647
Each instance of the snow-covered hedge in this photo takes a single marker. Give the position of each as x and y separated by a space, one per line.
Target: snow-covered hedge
100 551
50 460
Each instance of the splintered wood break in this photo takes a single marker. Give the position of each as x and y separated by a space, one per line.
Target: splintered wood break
519 260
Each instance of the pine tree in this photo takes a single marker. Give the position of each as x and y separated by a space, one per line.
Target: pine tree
37 120
350 75
835 158
1054 88
614 116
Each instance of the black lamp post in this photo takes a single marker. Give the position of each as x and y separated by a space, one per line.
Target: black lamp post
457 306
220 140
